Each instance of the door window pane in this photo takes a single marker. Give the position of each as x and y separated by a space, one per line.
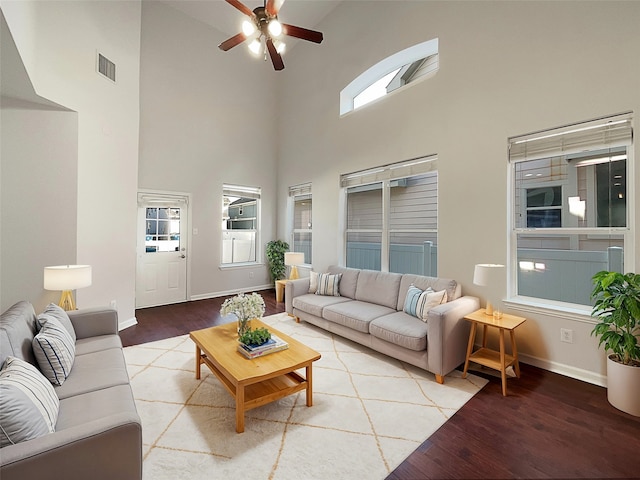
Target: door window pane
162 230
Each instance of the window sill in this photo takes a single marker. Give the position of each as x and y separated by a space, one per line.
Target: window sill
230 266
578 313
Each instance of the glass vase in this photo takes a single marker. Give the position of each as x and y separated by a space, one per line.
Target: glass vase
244 325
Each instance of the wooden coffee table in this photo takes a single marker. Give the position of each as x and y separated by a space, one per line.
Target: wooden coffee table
254 382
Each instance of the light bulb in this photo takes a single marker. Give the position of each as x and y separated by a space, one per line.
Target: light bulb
248 28
255 46
275 28
280 46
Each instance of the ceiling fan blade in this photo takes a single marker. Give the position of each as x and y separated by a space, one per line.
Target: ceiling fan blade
229 43
278 64
273 7
303 33
242 7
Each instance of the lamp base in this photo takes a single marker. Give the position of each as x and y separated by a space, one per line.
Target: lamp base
294 273
66 301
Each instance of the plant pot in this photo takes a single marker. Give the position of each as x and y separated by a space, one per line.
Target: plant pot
623 386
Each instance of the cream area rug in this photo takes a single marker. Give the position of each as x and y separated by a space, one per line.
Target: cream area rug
369 413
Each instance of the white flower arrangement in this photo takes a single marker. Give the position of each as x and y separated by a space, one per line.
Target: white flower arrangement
245 307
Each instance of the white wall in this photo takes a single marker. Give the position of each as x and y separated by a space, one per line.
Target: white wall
506 68
207 117
58 42
38 152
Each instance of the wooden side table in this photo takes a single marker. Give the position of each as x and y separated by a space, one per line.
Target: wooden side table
488 357
280 284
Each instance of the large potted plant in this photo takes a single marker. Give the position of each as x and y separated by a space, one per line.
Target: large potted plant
617 307
275 256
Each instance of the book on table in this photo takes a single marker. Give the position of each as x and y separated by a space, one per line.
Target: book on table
274 344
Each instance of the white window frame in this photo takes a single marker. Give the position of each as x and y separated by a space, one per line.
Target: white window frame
246 192
383 68
383 176
615 130
296 192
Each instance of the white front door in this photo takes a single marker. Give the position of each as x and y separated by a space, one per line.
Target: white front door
161 272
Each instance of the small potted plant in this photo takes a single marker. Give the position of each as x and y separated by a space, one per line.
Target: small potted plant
275 255
617 307
245 308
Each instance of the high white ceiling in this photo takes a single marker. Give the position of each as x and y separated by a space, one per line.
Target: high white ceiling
228 19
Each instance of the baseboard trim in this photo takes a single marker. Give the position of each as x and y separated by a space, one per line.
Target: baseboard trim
204 296
127 323
566 370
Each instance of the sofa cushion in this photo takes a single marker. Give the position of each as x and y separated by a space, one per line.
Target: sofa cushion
95 371
95 344
380 288
329 284
28 403
452 287
355 314
53 310
401 329
55 351
314 304
17 328
349 280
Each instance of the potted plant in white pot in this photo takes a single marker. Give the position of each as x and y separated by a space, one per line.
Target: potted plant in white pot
617 307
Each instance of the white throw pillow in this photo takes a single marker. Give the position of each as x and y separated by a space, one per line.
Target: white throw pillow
54 350
313 282
429 299
28 403
59 314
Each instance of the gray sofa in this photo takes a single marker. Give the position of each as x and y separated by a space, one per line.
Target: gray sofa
369 311
98 434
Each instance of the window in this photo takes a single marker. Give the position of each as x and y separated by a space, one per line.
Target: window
162 228
300 201
570 209
240 224
392 217
394 72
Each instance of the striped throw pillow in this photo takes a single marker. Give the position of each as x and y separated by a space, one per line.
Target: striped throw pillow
419 302
329 284
28 404
54 350
411 300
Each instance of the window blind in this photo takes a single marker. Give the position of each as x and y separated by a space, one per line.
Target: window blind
395 171
300 190
607 132
240 191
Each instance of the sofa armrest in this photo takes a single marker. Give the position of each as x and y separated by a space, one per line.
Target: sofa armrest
294 288
91 322
448 334
107 448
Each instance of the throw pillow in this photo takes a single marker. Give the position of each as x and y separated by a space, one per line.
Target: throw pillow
411 300
59 314
28 404
429 299
329 284
313 282
54 350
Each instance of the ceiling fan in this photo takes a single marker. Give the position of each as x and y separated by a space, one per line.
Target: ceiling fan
266 31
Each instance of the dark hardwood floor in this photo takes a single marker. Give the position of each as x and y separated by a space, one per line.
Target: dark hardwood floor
549 426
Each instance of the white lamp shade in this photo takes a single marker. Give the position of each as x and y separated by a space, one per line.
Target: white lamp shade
294 258
67 277
484 273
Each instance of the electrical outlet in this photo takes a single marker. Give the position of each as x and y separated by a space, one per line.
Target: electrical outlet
112 304
250 274
566 335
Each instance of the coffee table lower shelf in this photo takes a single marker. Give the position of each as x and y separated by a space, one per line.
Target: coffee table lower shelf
266 391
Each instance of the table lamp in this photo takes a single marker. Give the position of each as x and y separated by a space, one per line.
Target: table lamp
485 274
67 278
293 259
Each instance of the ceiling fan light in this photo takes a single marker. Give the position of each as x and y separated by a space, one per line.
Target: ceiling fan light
280 46
248 28
255 46
275 28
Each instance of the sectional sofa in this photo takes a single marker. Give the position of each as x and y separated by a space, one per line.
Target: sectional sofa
97 433
370 307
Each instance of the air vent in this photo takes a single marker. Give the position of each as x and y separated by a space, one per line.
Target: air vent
106 67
